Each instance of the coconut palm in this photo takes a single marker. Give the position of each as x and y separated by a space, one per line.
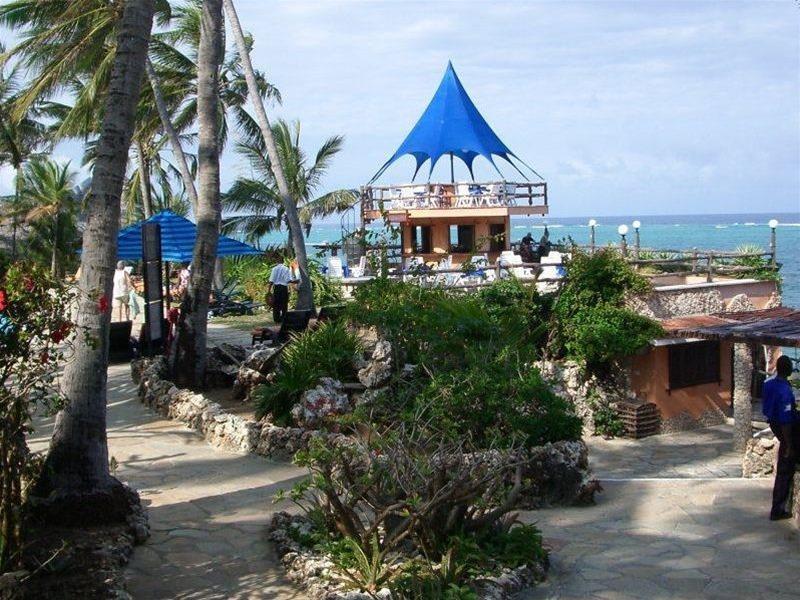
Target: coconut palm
20 139
256 201
76 482
51 202
305 294
190 344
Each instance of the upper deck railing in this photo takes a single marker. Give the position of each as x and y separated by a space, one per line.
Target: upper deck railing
492 194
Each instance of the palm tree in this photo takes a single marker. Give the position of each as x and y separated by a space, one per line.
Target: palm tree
76 486
190 345
20 139
305 294
51 203
256 202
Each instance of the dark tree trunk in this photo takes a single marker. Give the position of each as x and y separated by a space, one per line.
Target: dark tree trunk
144 181
76 486
190 358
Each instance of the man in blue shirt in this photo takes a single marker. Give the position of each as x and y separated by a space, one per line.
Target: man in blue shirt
780 410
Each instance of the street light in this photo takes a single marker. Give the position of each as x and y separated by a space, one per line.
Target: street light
773 225
592 225
636 224
622 230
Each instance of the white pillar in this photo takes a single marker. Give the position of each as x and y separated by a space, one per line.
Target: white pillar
742 398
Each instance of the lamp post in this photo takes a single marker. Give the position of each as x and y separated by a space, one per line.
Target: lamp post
773 225
592 225
622 230
636 224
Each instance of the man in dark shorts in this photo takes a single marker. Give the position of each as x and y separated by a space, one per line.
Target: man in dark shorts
780 410
279 280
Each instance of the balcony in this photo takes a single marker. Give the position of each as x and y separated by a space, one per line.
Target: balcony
494 198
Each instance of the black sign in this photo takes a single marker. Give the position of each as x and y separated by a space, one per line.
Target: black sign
154 332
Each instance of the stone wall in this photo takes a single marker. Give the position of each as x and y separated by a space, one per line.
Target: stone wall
680 303
568 381
220 429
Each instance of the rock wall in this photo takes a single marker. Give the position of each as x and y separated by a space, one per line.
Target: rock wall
568 381
559 475
220 429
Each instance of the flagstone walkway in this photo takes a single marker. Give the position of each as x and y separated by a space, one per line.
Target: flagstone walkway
675 520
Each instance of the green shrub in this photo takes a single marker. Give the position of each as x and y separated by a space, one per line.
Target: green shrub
496 403
590 323
327 351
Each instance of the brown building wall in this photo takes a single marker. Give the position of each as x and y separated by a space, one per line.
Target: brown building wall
440 235
650 382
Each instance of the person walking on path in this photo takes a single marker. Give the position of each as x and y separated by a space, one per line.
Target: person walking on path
122 290
279 280
780 410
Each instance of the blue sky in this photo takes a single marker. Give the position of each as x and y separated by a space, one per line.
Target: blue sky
624 107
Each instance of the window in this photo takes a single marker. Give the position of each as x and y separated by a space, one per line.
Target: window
694 363
421 239
462 238
497 237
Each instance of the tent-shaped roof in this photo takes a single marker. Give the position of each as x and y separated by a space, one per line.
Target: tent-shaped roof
451 124
177 240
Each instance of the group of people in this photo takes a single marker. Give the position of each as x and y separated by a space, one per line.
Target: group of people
532 252
780 410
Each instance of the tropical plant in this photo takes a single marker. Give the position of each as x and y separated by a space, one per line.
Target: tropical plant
590 322
51 202
21 138
304 291
402 491
76 485
254 202
35 336
329 350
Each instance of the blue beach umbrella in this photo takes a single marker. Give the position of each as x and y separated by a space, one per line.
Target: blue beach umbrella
177 240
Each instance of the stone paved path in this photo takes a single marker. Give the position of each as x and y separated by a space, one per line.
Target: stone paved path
674 521
208 508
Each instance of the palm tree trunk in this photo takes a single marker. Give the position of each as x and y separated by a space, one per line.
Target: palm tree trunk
144 181
190 345
305 296
76 486
14 222
54 255
172 135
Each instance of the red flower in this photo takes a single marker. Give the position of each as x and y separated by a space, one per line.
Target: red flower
59 334
29 284
44 356
3 300
102 304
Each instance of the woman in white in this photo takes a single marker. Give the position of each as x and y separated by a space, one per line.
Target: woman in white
122 289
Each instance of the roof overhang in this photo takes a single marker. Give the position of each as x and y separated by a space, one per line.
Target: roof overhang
778 326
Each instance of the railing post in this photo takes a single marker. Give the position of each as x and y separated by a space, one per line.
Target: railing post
636 244
592 225
694 260
622 230
710 272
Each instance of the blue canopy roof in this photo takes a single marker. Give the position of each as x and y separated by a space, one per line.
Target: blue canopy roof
177 240
452 125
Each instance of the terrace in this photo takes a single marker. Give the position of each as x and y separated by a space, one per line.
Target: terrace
493 198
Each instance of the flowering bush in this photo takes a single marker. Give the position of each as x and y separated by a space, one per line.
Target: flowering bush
35 335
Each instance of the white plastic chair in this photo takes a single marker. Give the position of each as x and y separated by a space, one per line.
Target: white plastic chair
360 269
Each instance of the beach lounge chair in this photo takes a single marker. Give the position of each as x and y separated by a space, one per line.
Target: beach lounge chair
360 269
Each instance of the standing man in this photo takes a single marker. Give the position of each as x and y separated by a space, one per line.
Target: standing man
279 280
780 410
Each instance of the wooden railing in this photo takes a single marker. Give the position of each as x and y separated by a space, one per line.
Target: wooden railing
452 195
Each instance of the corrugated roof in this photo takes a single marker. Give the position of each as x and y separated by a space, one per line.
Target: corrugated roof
778 326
